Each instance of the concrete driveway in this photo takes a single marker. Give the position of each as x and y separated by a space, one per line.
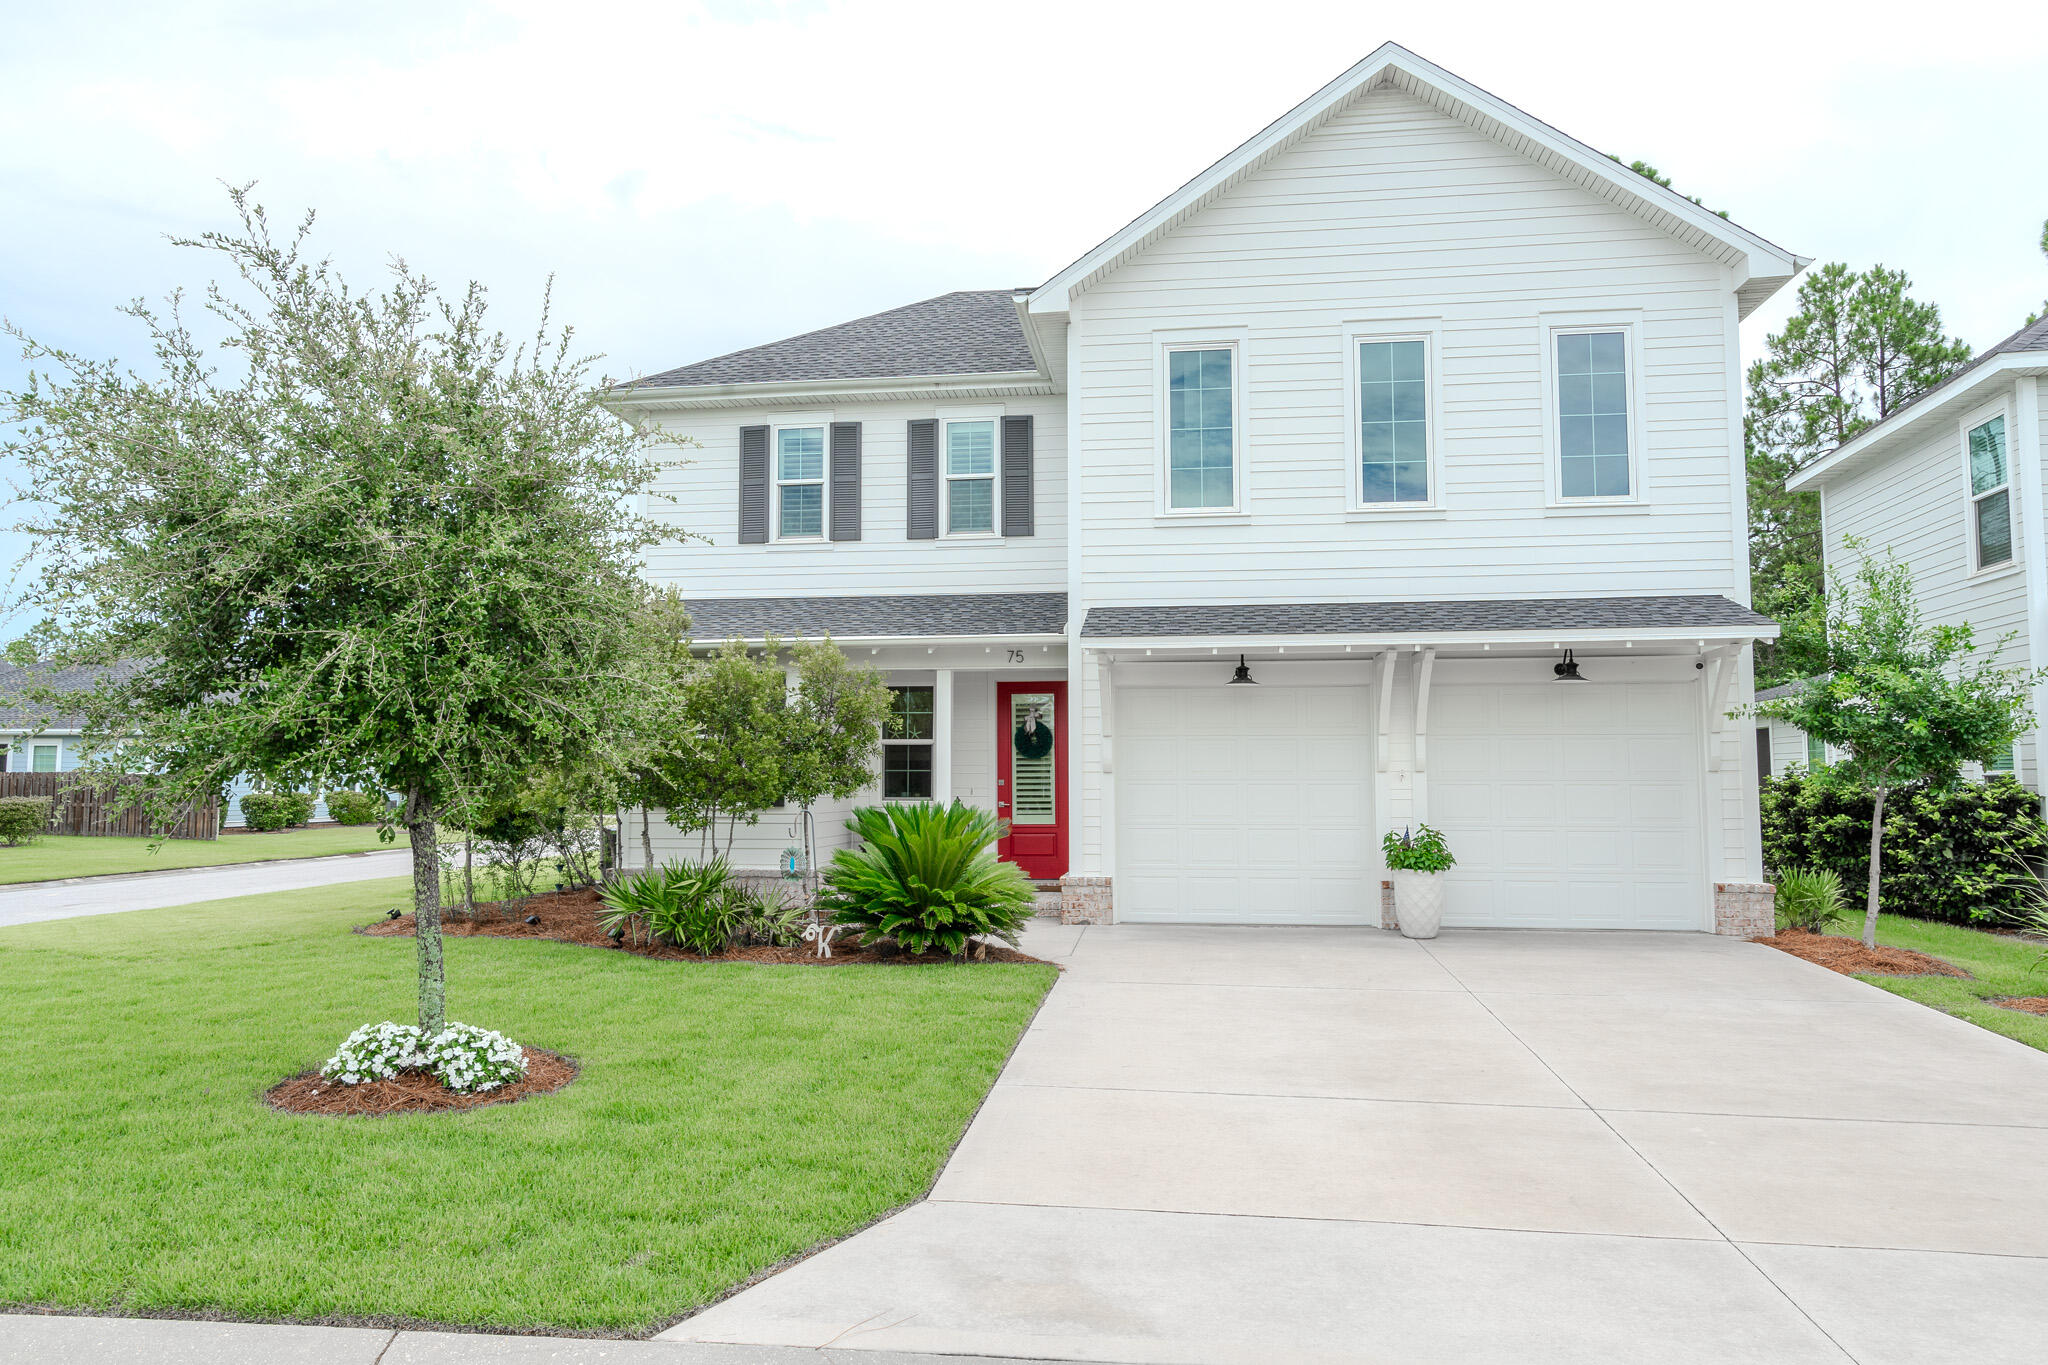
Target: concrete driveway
1235 1144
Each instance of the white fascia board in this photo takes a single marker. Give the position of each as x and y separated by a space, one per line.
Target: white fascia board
1409 640
994 384
1754 258
1894 431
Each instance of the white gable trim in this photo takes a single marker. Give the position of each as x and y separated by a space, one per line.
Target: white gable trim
1759 267
1901 427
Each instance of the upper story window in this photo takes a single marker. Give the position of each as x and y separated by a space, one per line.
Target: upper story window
800 483
1393 421
1990 494
971 478
1593 444
907 744
1201 428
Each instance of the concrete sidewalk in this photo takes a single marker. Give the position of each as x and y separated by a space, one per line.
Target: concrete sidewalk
1245 1145
29 902
36 1340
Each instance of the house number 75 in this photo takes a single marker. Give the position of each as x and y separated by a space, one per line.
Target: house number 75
1016 655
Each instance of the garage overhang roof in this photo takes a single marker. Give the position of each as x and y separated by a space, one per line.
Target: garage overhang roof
1526 620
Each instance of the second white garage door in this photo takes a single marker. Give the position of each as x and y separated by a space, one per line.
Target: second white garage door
1569 805
1245 805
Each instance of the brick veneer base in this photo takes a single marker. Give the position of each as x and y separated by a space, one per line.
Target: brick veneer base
1388 919
1086 900
1745 909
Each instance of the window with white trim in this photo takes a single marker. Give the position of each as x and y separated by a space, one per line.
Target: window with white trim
1593 432
971 477
1816 753
800 483
1990 494
1393 421
45 758
1201 428
2000 762
907 743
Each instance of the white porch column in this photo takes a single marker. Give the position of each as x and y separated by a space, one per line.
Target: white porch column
2027 456
942 736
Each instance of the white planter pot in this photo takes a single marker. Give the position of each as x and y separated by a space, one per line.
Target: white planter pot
1419 902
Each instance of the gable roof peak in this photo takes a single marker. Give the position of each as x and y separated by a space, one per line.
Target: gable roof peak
1760 267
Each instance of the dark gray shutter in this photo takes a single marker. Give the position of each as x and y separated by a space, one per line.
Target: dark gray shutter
921 515
845 480
753 485
1017 475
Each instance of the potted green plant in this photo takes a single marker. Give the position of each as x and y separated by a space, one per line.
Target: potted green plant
1417 860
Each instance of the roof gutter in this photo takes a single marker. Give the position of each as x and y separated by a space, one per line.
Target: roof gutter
684 397
1371 641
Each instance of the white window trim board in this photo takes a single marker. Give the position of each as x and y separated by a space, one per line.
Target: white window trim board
800 422
1550 326
1165 343
2016 522
947 417
1429 331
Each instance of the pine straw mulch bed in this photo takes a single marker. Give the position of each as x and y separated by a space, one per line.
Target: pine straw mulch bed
413 1092
1848 956
571 917
2026 1004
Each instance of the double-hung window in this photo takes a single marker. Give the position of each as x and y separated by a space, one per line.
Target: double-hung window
2000 762
971 478
1201 428
1990 494
45 758
907 745
800 483
1393 421
1593 431
1816 753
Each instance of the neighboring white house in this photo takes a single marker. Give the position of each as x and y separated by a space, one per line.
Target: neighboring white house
1393 408
1951 484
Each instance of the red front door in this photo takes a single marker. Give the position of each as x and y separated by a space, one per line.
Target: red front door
1031 776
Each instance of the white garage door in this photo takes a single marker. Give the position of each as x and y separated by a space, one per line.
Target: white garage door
1569 805
1242 805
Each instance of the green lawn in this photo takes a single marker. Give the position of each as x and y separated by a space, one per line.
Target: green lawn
727 1117
1999 964
71 855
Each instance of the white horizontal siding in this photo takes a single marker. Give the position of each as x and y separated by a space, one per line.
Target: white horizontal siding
1915 504
698 494
1394 210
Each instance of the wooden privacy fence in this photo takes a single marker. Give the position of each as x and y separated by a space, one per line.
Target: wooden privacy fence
81 809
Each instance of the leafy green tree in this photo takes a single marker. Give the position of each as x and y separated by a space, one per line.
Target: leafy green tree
832 726
725 758
1858 348
365 542
1905 701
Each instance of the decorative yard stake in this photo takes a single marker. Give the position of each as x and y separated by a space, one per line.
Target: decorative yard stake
822 935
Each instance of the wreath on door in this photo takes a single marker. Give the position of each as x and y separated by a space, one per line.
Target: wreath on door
1033 739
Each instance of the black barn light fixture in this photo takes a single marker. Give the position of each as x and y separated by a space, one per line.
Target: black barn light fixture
1243 674
1567 670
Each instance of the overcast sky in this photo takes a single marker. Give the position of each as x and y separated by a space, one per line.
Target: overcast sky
700 177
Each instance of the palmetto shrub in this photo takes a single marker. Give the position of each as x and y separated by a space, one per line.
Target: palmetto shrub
1811 901
697 906
927 876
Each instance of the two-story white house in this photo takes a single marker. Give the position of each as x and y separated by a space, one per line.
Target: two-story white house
1388 471
1951 485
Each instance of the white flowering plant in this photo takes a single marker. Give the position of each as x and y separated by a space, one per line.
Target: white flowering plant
463 1057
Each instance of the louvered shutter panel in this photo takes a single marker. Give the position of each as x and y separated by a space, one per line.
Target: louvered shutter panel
753 485
845 481
921 516
1018 492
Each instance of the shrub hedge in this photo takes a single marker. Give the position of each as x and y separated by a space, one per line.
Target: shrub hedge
356 808
22 818
275 810
1950 853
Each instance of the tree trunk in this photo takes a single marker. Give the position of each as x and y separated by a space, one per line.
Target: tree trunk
468 874
646 841
426 913
1876 847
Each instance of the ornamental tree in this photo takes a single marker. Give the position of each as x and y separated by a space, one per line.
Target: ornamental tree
1904 700
360 542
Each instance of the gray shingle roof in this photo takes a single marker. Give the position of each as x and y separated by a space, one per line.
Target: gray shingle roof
968 332
1402 618
18 714
799 618
2033 337
1781 690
